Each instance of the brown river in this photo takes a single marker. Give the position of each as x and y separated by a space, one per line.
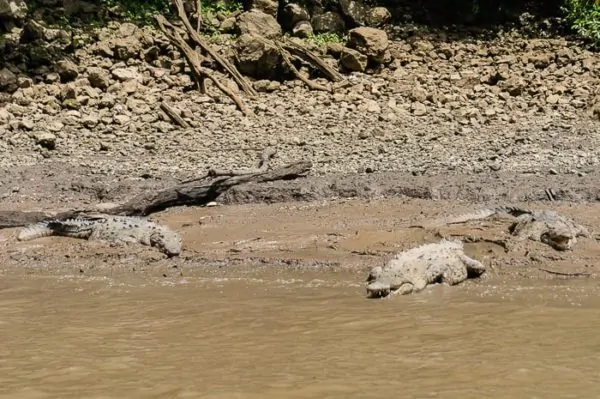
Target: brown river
295 334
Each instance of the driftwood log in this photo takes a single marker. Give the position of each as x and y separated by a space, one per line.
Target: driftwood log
197 191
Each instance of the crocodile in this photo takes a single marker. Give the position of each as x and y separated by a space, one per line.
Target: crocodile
545 226
412 270
109 228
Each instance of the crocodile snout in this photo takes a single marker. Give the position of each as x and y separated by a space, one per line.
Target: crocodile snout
378 289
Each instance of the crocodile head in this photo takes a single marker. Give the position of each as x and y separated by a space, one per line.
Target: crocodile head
377 285
559 239
168 243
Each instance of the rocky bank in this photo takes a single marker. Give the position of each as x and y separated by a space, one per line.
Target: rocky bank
441 104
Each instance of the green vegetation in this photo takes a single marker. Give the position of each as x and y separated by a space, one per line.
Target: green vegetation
584 17
143 11
137 10
323 38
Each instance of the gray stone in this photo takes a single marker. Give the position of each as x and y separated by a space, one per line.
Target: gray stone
255 57
98 77
352 60
377 16
13 9
329 22
46 140
369 41
355 11
293 14
67 70
258 23
303 29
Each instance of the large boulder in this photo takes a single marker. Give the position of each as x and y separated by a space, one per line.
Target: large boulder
377 16
267 6
8 80
256 57
371 42
328 22
13 9
355 11
292 15
352 60
258 23
302 29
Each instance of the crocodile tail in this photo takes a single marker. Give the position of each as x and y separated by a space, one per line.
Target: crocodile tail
38 230
513 210
465 217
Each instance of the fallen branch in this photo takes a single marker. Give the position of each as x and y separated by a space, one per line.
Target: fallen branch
566 274
202 192
193 60
288 62
242 82
199 11
171 113
198 191
313 59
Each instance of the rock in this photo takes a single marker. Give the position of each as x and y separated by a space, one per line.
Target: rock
293 14
31 32
596 109
352 60
258 23
418 109
377 16
355 11
127 29
126 48
5 116
513 85
228 25
369 41
255 57
130 86
67 92
55 126
266 6
8 80
125 74
553 99
121 119
418 94
67 70
372 106
98 77
13 9
329 22
266 86
71 103
46 140
26 124
303 29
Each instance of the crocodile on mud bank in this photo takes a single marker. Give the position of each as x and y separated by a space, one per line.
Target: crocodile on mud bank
412 270
545 226
115 229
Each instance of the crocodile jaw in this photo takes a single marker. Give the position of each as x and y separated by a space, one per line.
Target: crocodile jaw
378 289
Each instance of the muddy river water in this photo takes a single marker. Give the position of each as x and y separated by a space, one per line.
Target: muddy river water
309 334
83 320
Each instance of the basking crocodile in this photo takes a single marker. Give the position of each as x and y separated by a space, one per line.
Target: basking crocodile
117 229
412 270
545 226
